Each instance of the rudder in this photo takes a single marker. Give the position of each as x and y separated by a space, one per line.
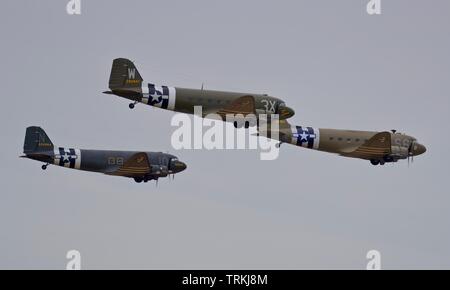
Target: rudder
124 75
36 140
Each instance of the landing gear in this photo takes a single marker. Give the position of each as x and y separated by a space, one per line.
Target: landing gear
142 179
388 159
131 105
44 166
246 124
376 162
238 125
278 144
145 179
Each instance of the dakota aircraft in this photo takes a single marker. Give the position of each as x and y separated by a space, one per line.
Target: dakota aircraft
141 166
378 147
125 81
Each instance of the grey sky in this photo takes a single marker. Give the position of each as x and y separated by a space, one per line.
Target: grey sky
336 65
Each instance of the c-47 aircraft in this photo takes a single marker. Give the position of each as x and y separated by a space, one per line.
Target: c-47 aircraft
142 166
125 81
378 147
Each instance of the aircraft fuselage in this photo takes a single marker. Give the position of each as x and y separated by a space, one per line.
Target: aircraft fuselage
378 147
142 166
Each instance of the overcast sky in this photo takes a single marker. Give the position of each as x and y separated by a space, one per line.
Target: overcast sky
334 64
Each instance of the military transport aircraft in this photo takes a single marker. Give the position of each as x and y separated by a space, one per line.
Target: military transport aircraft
125 81
142 166
378 147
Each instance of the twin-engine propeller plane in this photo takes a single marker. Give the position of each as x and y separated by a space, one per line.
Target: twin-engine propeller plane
378 147
125 81
141 166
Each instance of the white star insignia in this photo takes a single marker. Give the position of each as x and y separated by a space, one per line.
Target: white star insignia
155 97
66 157
304 136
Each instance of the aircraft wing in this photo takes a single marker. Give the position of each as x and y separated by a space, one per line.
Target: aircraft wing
135 166
244 105
376 147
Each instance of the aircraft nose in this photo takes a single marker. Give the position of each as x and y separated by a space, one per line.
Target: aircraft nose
419 149
179 166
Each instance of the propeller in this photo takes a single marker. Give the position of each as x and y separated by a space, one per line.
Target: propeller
410 152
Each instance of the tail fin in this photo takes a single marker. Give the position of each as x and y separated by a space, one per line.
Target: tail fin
36 140
124 75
